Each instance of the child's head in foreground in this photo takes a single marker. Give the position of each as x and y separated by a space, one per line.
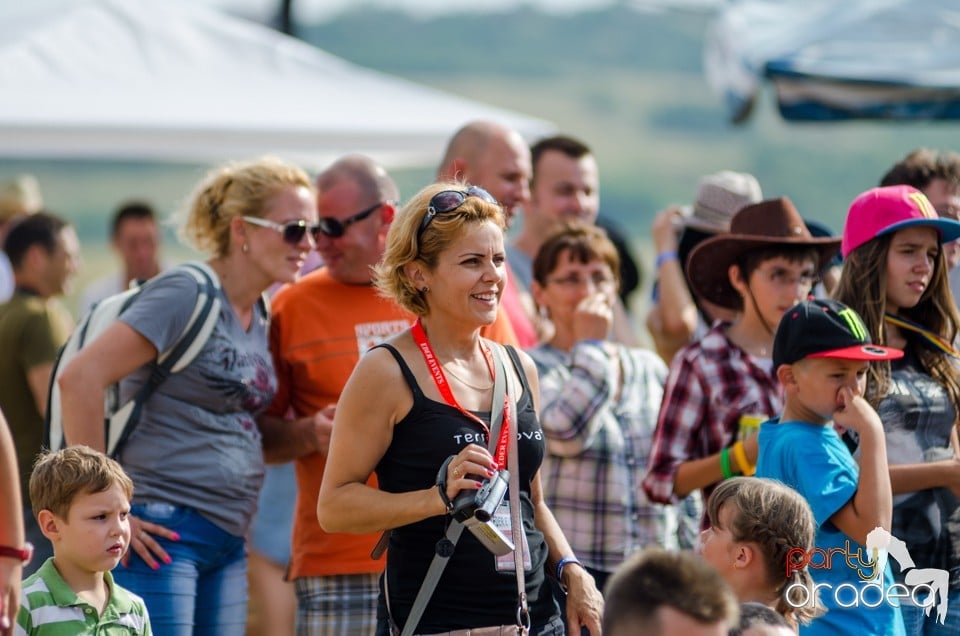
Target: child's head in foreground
821 347
656 592
81 499
756 527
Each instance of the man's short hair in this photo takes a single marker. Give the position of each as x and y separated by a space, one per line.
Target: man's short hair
131 210
923 165
573 148
41 228
655 578
60 476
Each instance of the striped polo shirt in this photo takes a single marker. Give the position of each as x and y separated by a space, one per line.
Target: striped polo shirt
48 607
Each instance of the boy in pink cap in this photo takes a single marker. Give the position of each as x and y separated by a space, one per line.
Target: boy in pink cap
895 276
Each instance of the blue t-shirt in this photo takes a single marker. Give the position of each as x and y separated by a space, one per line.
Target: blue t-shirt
811 459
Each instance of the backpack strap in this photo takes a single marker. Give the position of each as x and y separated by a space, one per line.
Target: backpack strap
102 314
199 327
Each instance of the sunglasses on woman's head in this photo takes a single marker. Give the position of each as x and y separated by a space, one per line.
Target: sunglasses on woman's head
448 201
292 232
335 228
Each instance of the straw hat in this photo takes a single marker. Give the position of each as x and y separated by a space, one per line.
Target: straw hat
766 224
719 197
19 196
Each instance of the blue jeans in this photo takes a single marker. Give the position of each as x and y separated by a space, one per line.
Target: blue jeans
204 589
918 624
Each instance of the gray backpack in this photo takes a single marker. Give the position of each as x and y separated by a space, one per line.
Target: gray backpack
120 419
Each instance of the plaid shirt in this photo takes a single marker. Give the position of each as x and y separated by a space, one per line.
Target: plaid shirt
712 384
598 430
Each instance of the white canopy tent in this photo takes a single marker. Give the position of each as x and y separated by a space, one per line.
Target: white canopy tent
167 81
829 60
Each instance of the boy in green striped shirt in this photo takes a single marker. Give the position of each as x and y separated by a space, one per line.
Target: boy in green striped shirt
82 502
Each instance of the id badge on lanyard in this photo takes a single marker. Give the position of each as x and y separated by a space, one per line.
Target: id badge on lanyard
501 518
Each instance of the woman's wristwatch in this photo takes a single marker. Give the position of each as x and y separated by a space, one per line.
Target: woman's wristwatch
24 554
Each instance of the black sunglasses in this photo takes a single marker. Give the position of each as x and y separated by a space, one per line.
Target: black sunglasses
447 201
291 232
335 228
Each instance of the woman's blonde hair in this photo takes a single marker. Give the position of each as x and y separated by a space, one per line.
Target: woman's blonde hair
404 246
235 190
863 287
778 520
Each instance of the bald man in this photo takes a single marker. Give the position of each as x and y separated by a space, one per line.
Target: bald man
496 158
491 156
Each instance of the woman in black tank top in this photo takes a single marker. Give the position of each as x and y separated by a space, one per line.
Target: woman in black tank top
424 403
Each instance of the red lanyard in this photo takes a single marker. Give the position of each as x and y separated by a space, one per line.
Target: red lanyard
440 379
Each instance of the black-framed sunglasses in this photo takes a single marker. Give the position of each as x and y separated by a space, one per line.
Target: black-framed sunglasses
447 201
335 228
292 232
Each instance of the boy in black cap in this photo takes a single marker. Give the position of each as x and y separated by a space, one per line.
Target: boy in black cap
821 352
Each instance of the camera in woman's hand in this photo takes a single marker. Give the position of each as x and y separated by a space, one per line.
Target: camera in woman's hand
483 502
476 508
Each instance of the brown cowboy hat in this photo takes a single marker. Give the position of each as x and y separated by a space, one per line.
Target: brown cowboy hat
766 224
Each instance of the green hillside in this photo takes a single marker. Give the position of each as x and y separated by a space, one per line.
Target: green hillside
629 83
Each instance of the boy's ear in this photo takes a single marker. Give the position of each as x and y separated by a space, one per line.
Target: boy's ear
50 525
736 280
787 377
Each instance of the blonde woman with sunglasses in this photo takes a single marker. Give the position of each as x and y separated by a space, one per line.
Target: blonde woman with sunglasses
195 453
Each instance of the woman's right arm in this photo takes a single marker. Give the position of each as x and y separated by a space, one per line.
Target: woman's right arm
116 353
945 473
374 399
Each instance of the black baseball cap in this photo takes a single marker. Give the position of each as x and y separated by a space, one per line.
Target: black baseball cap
825 329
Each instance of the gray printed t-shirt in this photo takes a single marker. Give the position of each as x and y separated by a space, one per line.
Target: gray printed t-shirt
197 443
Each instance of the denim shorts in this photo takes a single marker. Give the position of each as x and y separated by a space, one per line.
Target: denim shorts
204 589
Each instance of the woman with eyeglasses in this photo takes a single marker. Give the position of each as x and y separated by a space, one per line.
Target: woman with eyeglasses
420 411
195 453
599 404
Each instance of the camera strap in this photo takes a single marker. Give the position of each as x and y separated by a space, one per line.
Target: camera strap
445 547
513 465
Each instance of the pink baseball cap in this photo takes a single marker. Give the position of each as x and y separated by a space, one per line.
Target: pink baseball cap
880 211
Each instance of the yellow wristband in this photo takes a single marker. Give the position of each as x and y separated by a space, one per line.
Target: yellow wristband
740 456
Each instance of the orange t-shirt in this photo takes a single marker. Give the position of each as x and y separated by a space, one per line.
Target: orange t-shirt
319 330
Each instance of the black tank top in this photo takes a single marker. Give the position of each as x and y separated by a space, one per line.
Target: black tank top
471 593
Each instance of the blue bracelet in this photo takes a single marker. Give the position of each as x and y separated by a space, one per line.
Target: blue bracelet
663 257
563 563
